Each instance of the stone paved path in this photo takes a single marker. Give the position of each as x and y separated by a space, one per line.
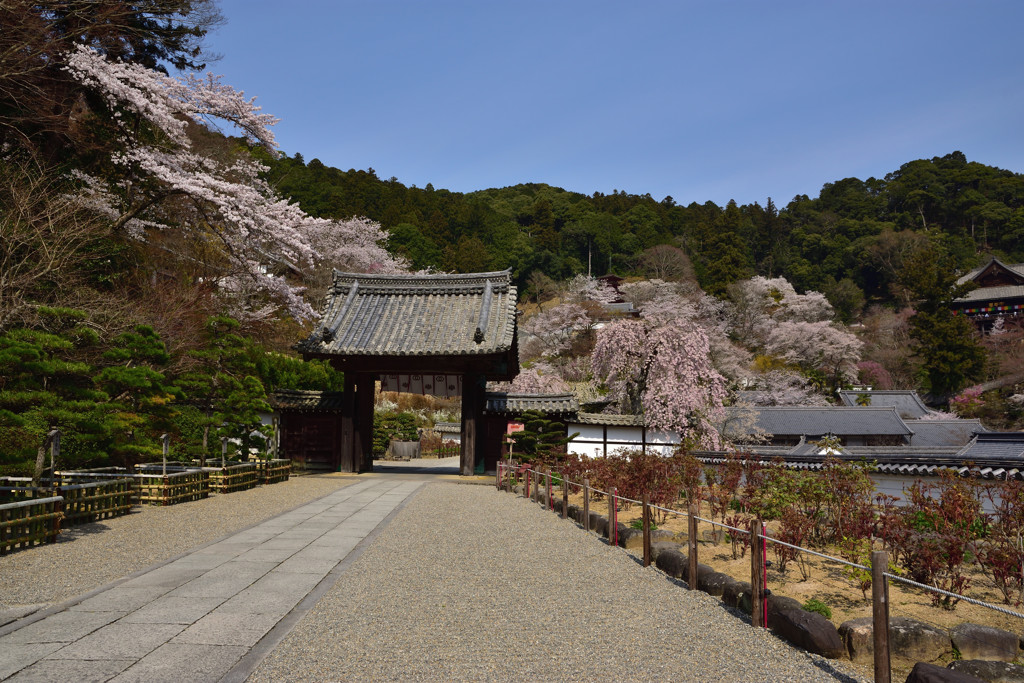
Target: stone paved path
211 614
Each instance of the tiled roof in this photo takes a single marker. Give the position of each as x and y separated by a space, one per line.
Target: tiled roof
500 402
818 421
905 469
995 446
1015 267
448 427
306 401
992 293
907 403
943 433
416 315
610 420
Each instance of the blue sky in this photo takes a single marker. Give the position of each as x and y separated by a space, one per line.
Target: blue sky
715 100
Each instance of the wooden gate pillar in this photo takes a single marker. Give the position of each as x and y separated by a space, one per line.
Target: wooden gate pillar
362 447
345 461
470 445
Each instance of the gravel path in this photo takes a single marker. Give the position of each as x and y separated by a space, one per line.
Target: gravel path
92 555
468 583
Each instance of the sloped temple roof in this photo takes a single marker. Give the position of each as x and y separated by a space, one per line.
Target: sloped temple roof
417 316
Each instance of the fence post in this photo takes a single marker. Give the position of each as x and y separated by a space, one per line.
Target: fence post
756 575
647 531
497 476
526 483
691 541
614 528
536 485
551 503
166 439
565 497
611 513
880 614
586 505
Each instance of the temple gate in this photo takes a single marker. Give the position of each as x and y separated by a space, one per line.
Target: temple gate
423 326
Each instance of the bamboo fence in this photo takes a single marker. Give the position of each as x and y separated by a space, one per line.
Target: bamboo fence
272 471
173 487
231 478
83 502
29 522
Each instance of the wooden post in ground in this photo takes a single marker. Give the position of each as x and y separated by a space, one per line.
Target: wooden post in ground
536 486
565 497
611 514
586 505
647 531
497 476
551 503
880 615
756 575
691 541
526 484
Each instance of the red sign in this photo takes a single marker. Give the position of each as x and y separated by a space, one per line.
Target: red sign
512 428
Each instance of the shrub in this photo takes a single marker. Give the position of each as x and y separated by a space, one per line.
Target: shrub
818 607
388 426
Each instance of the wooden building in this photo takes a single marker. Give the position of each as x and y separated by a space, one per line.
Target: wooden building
999 294
417 328
309 427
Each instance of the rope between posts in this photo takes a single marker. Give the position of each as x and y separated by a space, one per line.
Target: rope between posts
966 599
731 528
658 507
814 552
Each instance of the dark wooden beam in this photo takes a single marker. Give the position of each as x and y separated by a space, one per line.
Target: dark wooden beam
346 463
494 366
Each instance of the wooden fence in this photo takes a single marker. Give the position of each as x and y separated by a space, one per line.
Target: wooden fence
173 487
99 500
29 522
272 471
83 502
231 478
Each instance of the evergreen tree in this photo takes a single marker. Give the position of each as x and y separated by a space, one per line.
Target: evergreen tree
541 437
945 342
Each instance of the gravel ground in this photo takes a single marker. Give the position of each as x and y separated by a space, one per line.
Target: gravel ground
92 555
467 583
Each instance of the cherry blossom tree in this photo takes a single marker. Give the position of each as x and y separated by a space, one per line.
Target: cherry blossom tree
585 288
760 303
539 379
160 183
550 333
663 371
782 387
817 347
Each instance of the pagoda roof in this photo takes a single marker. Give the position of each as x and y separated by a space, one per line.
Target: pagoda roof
416 315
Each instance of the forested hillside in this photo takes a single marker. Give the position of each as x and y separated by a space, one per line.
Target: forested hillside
848 242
